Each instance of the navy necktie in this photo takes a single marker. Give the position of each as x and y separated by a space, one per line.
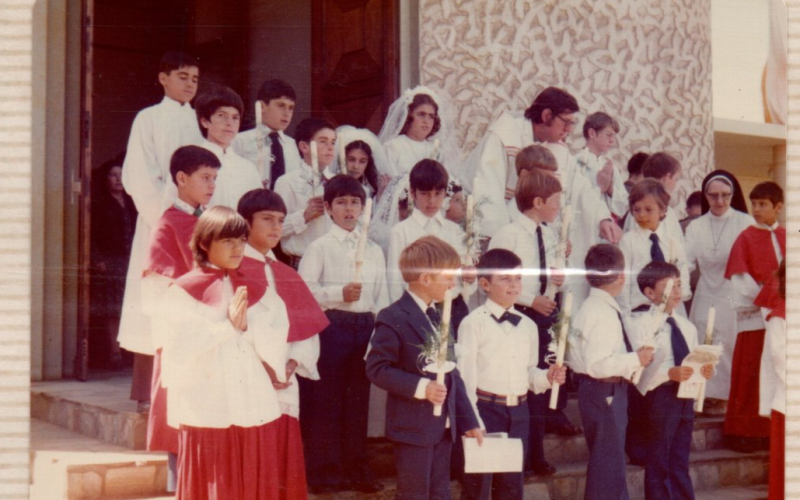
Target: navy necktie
197 212
278 167
656 255
680 349
433 315
542 261
514 319
624 334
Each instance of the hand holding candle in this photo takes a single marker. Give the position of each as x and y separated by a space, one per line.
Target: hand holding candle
444 335
562 346
362 241
314 167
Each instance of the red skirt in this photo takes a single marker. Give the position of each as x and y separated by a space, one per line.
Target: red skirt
777 456
742 418
291 465
160 436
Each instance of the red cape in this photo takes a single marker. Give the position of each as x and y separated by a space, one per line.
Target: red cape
769 297
752 254
205 285
169 254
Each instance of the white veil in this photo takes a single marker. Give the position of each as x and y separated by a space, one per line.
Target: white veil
449 154
347 134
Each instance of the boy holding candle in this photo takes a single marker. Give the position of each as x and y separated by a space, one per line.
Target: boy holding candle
667 420
422 441
336 406
267 145
498 358
600 131
602 357
538 199
302 189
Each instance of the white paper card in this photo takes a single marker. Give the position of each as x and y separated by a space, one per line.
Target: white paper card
702 354
498 453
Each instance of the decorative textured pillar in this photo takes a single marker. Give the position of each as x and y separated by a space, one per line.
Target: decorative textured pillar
647 63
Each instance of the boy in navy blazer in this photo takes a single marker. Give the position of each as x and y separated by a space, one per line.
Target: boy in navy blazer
422 441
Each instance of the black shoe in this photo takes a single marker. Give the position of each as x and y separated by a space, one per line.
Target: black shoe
365 486
567 429
742 444
544 469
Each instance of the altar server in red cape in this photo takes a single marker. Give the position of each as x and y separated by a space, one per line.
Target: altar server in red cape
753 260
215 328
296 352
169 257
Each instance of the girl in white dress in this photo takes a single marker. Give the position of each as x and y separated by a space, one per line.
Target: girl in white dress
419 126
709 240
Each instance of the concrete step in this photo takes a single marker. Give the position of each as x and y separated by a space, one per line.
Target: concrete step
741 493
67 465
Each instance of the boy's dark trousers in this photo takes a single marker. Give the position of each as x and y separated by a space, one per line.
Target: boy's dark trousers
604 425
334 410
636 437
423 472
500 418
669 423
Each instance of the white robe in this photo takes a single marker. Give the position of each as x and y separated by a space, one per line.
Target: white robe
590 164
709 240
236 176
156 133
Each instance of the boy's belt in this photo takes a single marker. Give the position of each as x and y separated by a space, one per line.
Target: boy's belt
512 400
608 380
294 261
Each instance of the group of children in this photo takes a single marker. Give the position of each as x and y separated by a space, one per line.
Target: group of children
262 304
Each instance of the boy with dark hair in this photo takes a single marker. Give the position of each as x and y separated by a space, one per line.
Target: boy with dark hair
274 109
635 169
428 182
694 209
219 113
294 319
422 441
753 260
603 360
193 170
600 131
337 405
156 133
667 420
497 385
302 189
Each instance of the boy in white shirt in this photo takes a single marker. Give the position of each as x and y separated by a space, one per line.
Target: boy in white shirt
428 183
276 102
336 407
498 353
219 113
600 131
666 169
302 189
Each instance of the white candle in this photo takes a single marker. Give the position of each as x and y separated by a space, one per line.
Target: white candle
443 340
666 295
342 159
562 346
314 167
566 219
561 255
362 241
470 229
260 142
435 152
712 315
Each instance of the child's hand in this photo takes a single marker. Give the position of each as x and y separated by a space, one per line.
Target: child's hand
476 433
610 231
680 373
435 393
604 177
645 355
707 371
557 375
543 305
237 310
352 292
314 209
557 276
568 251
469 274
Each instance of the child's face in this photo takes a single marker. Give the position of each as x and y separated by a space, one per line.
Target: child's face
223 126
436 284
764 212
548 209
719 196
670 181
647 213
180 84
357 160
198 188
600 141
326 148
422 124
277 113
345 211
428 202
457 210
266 230
227 253
503 287
656 295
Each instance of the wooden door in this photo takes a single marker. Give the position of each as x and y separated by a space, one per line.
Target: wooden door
355 60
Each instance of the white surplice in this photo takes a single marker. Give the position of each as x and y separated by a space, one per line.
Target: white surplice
236 177
246 145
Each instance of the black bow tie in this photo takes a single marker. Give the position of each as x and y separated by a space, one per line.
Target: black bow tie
507 316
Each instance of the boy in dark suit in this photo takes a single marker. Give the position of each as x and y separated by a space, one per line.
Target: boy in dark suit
422 441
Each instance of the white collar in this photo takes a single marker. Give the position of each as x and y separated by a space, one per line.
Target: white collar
216 149
528 224
422 219
766 227
605 297
496 309
172 103
251 252
646 232
185 207
726 215
341 234
420 303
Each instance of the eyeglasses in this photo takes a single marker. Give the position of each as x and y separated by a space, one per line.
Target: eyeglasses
719 196
568 123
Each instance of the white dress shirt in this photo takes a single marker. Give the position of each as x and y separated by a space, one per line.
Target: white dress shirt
410 230
246 145
296 188
590 164
635 245
329 264
641 326
235 177
596 346
520 238
499 358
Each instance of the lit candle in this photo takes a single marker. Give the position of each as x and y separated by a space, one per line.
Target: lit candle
314 167
562 346
260 142
666 295
712 315
443 340
342 159
362 241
